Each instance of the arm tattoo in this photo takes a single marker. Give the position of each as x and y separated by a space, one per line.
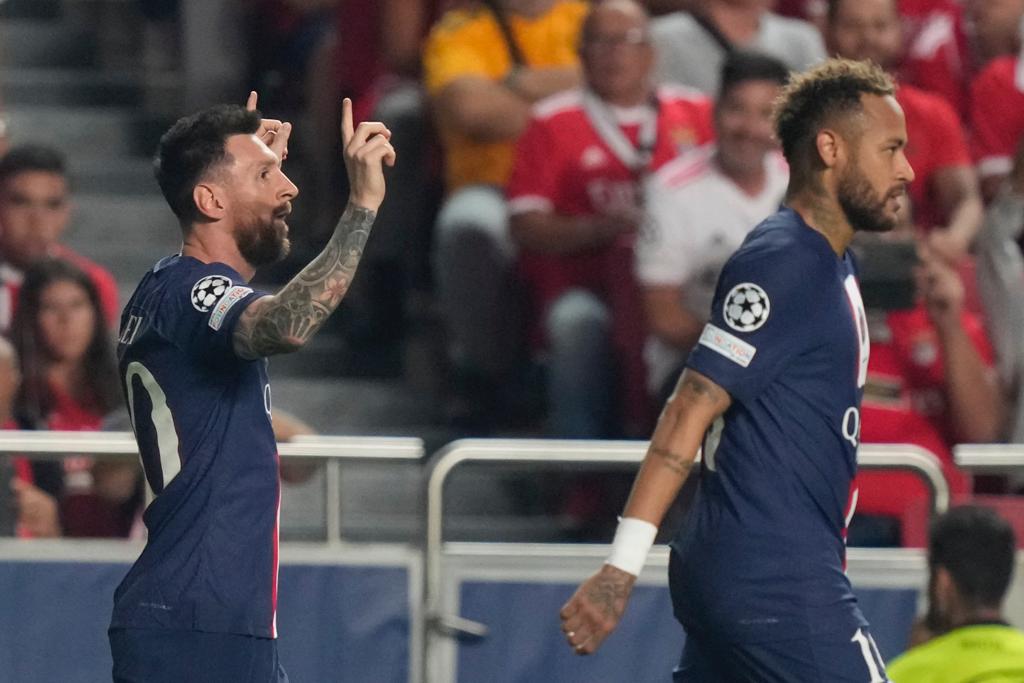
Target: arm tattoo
697 388
609 594
286 321
676 462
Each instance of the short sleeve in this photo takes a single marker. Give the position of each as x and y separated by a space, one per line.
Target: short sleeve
199 311
993 120
761 320
533 184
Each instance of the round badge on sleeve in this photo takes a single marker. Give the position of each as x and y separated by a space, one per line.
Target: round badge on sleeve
746 307
208 291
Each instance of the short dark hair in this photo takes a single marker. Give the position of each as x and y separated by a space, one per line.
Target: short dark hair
32 158
747 65
821 97
977 547
192 148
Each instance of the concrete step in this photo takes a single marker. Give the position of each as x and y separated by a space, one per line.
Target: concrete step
30 9
126 234
41 86
80 132
121 176
46 43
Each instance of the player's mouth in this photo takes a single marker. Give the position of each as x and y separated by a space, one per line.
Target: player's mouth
283 212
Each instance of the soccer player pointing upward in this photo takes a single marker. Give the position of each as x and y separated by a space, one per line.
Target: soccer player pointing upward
200 602
772 392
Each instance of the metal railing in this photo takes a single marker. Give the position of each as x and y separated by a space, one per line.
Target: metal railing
590 453
990 458
40 445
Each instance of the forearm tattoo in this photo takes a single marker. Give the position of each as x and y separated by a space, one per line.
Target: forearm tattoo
294 315
676 462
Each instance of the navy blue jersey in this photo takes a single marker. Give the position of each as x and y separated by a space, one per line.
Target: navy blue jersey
201 417
761 556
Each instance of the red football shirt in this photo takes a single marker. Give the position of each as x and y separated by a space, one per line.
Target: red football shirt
937 57
563 165
904 402
935 141
997 115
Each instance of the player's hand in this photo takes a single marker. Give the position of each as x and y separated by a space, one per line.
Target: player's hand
37 510
367 148
593 612
272 132
940 288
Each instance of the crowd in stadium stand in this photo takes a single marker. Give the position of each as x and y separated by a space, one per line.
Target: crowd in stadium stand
566 194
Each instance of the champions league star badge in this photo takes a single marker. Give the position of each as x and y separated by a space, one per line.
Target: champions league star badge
746 307
208 291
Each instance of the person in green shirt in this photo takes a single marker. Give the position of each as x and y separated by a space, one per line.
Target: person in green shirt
971 556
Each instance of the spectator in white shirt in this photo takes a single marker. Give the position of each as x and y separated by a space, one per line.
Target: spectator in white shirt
701 206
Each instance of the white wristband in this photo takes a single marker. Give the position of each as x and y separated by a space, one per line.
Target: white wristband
633 540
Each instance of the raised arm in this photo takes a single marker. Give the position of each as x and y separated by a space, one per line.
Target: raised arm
284 322
596 607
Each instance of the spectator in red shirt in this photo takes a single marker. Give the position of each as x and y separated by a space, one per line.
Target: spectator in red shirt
573 201
70 383
931 380
944 197
35 208
997 120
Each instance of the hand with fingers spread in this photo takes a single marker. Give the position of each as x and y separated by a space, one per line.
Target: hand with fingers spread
367 147
593 612
272 132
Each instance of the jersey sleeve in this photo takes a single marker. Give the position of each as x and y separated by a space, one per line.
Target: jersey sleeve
761 320
199 312
533 185
992 120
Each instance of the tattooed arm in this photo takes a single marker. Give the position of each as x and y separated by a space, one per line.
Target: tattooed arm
596 607
284 322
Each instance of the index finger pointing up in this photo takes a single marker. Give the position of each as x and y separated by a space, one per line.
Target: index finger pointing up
250 105
347 128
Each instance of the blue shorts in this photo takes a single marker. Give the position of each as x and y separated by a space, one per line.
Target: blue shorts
836 658
158 656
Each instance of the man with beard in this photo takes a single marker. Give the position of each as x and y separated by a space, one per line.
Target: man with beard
772 393
200 602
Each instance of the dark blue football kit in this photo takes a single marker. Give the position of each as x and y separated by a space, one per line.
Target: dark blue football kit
757 569
207 579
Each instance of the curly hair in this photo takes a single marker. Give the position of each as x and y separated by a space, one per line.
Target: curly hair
827 95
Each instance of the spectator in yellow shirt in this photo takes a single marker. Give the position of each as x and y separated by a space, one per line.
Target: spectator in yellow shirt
484 67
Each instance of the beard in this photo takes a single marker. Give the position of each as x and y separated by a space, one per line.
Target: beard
261 243
862 207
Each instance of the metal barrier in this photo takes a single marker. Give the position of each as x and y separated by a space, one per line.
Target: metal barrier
549 452
333 449
990 458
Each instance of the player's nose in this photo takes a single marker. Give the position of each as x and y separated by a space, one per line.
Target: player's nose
289 190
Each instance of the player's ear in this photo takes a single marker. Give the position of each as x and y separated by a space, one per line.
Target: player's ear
209 201
828 144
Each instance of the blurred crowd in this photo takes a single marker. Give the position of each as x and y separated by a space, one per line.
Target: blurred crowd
572 175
